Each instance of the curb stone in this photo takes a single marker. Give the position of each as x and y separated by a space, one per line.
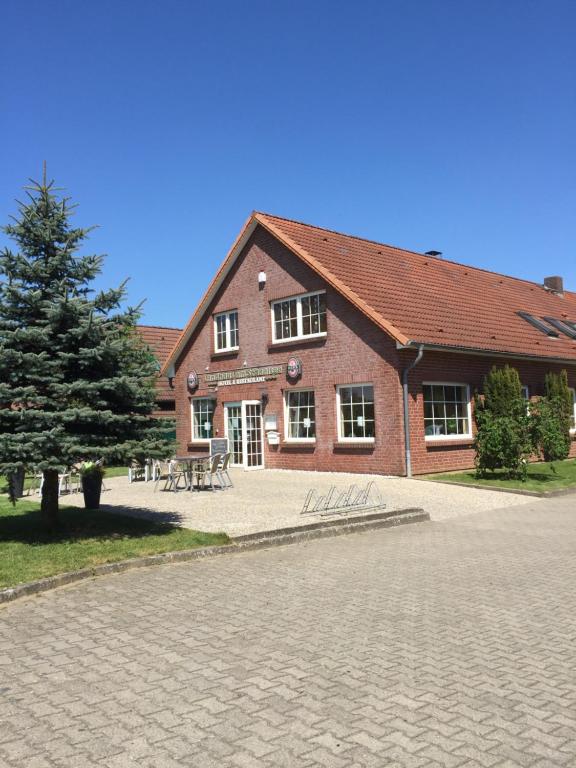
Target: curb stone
517 491
246 543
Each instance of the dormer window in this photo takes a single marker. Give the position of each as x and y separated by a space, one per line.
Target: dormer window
226 335
300 317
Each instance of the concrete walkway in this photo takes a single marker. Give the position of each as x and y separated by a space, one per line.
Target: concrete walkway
433 646
270 499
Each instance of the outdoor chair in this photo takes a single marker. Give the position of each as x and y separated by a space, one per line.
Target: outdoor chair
160 471
136 471
175 473
209 471
65 483
222 471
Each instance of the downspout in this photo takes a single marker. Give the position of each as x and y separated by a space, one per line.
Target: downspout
405 373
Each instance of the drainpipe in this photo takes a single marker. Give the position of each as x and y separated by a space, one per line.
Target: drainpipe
405 373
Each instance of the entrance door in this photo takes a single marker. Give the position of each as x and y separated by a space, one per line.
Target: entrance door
253 437
234 433
244 432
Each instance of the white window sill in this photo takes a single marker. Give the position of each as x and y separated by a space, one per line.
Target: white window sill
346 440
226 349
205 440
292 339
444 438
307 440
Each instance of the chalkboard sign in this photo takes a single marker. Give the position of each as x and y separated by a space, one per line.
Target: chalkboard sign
218 445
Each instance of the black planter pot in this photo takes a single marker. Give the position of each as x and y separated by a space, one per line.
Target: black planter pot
16 480
91 488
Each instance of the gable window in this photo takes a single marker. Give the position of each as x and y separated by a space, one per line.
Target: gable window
226 335
202 418
355 410
300 415
300 317
446 411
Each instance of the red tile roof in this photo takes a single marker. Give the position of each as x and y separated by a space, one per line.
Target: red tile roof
431 300
415 298
161 341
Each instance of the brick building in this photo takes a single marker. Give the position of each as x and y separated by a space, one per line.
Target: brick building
161 341
317 350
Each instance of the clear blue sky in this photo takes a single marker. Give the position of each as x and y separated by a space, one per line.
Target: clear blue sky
445 124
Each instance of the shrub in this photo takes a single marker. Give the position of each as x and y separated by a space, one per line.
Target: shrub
504 436
554 418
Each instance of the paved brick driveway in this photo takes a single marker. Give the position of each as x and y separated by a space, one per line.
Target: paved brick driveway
443 644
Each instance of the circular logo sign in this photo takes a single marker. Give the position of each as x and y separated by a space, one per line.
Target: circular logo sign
294 368
192 380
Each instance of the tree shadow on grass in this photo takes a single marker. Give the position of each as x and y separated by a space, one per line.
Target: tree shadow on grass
27 526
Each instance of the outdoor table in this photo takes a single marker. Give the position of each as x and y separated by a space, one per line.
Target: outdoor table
191 461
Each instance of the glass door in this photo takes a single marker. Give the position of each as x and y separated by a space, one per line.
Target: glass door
253 458
234 433
244 432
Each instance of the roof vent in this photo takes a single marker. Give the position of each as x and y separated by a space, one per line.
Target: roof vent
554 284
436 254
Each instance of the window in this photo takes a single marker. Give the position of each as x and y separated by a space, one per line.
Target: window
226 336
446 411
573 410
526 396
300 317
355 405
539 324
202 418
300 418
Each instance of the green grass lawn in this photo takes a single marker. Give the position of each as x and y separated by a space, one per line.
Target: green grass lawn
541 477
86 538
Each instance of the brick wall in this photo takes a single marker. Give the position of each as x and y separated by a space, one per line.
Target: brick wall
428 456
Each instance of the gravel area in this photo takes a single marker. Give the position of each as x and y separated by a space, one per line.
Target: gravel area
270 499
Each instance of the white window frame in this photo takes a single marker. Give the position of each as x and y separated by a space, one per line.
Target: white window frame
288 439
573 429
341 439
228 347
441 438
526 395
194 438
300 336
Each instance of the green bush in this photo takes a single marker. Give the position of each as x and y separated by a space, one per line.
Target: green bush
504 437
553 418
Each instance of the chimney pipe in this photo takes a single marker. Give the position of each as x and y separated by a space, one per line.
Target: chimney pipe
554 284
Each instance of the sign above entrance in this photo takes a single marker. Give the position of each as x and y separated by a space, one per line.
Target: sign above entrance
294 368
243 375
192 380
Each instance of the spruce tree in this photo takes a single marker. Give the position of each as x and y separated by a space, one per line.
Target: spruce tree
76 381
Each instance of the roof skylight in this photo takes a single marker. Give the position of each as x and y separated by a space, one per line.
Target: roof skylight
539 324
564 326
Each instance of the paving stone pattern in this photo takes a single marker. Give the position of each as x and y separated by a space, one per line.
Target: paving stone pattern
444 644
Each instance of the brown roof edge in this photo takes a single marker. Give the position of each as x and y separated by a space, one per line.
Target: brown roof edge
483 352
352 297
